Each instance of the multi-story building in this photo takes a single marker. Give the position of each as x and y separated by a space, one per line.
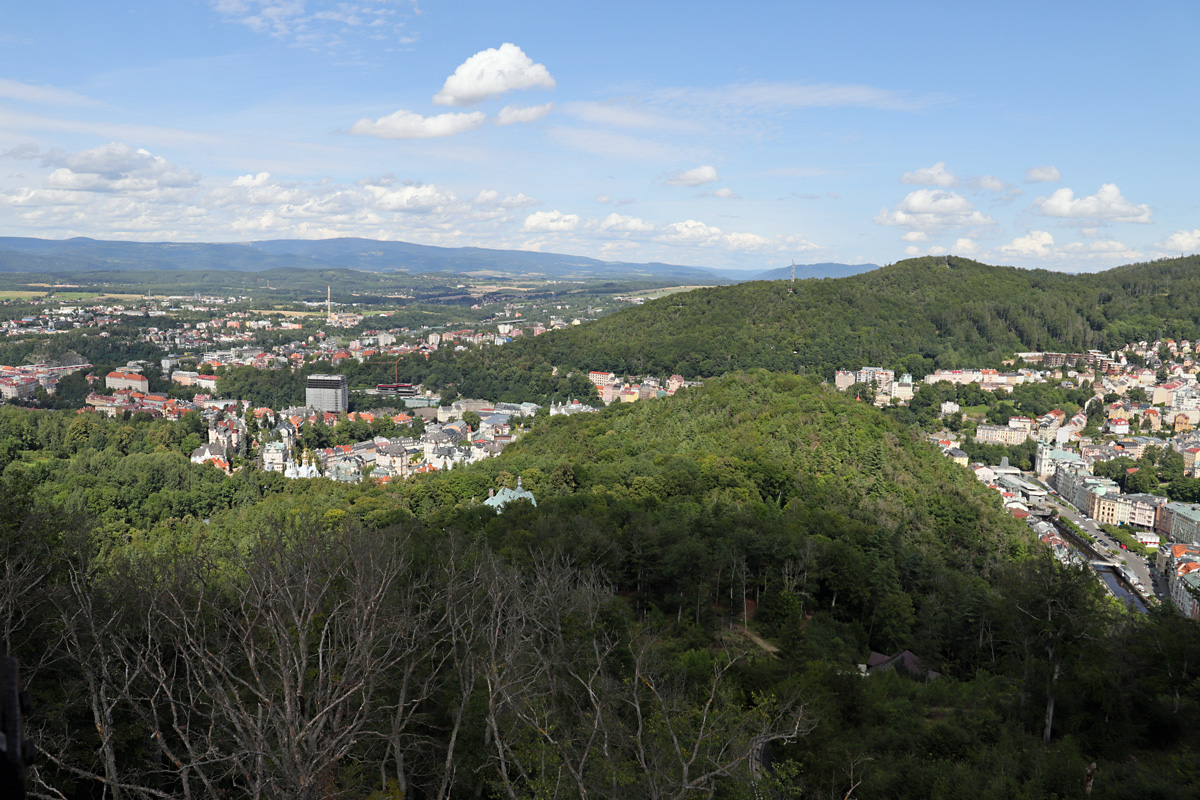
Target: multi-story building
327 393
1000 434
1143 509
1107 505
127 380
1185 523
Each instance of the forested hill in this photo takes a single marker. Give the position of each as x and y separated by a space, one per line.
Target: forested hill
915 315
697 579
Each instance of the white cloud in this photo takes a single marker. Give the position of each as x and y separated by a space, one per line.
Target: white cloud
1042 175
1106 205
259 190
261 179
915 236
796 244
619 223
492 72
990 183
937 175
412 197
511 114
550 222
726 193
490 197
1037 244
1181 242
965 247
745 241
693 177
116 168
931 209
519 200
603 198
317 24
693 232
1040 246
408 125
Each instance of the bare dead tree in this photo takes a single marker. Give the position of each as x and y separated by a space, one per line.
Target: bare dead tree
685 739
551 683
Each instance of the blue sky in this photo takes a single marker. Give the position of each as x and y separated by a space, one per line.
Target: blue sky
733 135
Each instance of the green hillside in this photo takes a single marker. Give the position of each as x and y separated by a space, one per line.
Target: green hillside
700 576
915 315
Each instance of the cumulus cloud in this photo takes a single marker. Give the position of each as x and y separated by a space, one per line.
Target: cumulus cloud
1038 244
745 241
258 190
603 198
726 193
408 125
411 197
619 223
1042 175
931 209
696 233
915 236
493 72
116 168
692 231
937 175
1181 242
511 114
965 247
1106 205
550 222
693 177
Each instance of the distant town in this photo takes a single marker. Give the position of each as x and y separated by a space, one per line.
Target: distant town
1143 545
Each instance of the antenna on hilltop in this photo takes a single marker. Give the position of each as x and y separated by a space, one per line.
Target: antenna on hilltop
792 288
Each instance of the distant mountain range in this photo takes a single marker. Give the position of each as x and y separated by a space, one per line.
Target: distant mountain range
826 269
21 254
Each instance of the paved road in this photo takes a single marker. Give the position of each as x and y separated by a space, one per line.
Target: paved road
1136 564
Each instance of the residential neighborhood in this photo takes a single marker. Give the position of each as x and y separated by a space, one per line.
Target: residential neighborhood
1140 400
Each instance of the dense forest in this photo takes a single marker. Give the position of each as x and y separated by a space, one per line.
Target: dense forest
914 316
680 616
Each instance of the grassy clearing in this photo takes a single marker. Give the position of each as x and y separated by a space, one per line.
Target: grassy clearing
654 294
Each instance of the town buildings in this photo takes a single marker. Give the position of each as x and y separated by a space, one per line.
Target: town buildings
327 393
